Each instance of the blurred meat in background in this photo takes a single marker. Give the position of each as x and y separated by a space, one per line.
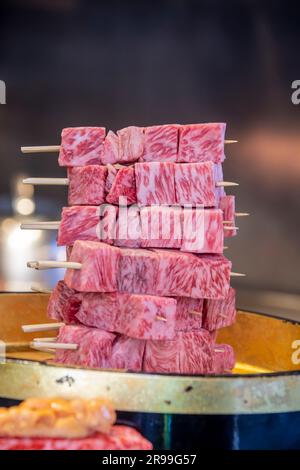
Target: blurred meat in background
116 63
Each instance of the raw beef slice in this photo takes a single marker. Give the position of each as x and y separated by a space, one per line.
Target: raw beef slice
81 146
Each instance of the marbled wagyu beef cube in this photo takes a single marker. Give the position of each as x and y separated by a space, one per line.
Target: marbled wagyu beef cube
128 228
81 146
223 359
135 316
94 346
99 270
201 143
78 223
227 205
64 304
189 353
155 183
161 227
138 271
127 353
175 273
219 313
195 184
131 143
211 277
110 153
122 187
188 314
87 185
202 231
161 143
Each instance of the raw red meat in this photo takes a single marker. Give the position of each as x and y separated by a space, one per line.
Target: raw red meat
155 183
223 359
219 313
131 143
128 228
123 186
81 146
161 143
218 176
106 229
175 273
202 231
195 185
87 185
68 252
201 142
227 205
188 314
188 353
110 149
161 227
94 346
111 174
128 353
64 303
138 271
211 277
100 267
136 316
119 438
78 223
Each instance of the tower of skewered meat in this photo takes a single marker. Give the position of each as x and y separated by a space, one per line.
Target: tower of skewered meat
139 299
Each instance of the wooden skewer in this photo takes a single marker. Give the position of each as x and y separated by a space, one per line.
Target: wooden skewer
47 181
52 345
219 350
242 214
40 290
56 148
158 317
74 265
41 149
194 312
65 182
46 340
55 225
53 264
40 226
226 184
41 327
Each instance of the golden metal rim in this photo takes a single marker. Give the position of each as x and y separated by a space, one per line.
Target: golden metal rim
237 394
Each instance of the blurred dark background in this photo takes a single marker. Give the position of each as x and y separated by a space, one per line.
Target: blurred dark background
117 63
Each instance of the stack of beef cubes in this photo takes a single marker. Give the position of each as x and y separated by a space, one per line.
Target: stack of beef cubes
146 220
